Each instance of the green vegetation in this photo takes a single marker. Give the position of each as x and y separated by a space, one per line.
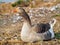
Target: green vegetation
19 2
57 35
57 15
14 5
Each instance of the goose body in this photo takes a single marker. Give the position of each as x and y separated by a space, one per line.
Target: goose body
37 32
28 34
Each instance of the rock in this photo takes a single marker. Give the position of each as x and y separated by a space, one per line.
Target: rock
49 0
32 12
58 5
0 38
16 18
53 8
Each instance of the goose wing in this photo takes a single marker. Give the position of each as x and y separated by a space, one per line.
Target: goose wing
41 28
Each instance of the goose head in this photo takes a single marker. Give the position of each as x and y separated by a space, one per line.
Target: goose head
23 14
19 10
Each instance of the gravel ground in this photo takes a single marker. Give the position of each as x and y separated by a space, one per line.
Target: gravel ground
10 27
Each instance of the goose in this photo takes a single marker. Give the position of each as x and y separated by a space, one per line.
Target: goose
37 32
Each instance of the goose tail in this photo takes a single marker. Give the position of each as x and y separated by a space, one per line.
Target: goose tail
52 22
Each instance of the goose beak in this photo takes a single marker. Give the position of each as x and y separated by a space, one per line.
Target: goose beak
16 10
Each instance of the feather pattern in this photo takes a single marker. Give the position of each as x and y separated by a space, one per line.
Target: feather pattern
37 32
